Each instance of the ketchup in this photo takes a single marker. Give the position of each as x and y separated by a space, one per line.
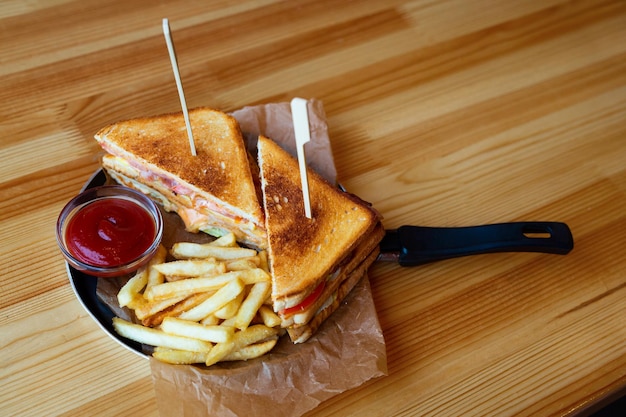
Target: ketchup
110 232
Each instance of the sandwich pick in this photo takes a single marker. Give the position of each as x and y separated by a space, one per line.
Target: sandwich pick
300 116
179 83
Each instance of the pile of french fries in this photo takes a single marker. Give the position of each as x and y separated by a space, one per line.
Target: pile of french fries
210 304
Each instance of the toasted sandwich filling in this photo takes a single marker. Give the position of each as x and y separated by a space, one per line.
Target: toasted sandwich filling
198 214
311 299
306 303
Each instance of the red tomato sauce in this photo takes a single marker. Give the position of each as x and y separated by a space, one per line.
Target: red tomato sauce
110 232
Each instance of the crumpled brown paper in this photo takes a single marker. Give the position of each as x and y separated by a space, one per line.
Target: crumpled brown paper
274 121
346 351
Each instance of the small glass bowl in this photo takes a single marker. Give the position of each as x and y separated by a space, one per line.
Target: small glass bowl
97 193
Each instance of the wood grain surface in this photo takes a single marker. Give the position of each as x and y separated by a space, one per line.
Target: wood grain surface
441 113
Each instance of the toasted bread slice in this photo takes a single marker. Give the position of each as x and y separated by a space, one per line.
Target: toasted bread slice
217 180
303 252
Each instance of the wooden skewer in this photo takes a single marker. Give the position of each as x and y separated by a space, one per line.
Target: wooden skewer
301 127
179 84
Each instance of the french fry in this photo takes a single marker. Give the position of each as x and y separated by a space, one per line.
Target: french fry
229 322
175 310
191 268
137 302
252 276
248 276
231 308
240 340
151 308
215 334
215 302
188 250
132 287
187 286
219 352
270 319
178 357
252 303
253 334
226 240
211 320
154 337
155 277
195 285
264 264
170 278
251 351
242 263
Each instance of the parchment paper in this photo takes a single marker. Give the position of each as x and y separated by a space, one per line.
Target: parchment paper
347 350
274 121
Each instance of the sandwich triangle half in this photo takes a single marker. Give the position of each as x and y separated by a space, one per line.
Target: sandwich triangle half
302 252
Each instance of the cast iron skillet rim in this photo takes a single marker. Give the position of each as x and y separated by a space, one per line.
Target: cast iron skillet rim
84 286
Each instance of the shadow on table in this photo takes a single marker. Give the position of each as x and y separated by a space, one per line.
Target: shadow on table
614 409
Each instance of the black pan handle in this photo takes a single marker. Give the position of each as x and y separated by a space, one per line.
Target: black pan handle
419 245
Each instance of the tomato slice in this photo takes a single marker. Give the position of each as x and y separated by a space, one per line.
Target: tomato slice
308 301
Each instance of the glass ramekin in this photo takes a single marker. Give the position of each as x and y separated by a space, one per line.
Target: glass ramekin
97 193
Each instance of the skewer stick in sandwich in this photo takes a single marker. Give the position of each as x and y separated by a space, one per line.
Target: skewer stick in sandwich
213 192
314 262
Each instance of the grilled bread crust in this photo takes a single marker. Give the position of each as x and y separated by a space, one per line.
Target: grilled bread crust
220 170
302 251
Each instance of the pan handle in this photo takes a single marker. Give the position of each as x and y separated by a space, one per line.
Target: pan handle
420 245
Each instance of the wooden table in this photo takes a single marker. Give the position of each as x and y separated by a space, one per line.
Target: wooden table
442 113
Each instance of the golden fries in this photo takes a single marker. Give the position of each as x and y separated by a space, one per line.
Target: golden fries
215 334
156 337
251 351
186 250
199 307
231 308
202 284
155 277
240 340
250 306
218 300
132 287
191 268
178 357
144 309
270 319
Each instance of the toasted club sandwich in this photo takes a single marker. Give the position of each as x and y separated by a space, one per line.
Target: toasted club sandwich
214 192
314 262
